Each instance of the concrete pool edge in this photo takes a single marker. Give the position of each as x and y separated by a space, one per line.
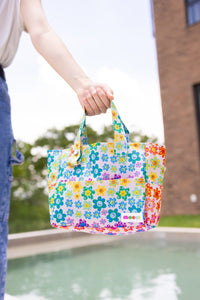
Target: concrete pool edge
53 240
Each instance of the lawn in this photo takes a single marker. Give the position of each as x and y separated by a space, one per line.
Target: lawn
180 221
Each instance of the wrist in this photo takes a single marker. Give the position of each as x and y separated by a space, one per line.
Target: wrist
80 83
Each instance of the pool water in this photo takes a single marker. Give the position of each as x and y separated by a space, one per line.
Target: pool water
122 270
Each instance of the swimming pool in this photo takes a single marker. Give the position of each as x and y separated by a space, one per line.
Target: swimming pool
122 270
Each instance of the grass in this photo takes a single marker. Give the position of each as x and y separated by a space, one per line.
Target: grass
180 221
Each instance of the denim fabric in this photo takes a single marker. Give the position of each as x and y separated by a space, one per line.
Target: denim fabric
7 159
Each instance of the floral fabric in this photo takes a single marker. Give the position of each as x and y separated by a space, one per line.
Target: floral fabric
108 188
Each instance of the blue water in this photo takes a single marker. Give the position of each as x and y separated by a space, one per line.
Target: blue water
124 270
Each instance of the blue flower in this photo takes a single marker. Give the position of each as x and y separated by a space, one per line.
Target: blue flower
69 202
89 165
96 214
70 212
104 157
123 169
131 167
94 156
58 201
77 171
111 202
96 171
113 159
67 174
131 201
122 205
78 204
64 165
105 167
134 156
59 215
88 215
50 158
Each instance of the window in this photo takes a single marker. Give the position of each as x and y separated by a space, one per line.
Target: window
197 105
193 11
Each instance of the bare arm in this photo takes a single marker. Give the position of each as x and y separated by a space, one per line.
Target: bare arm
94 97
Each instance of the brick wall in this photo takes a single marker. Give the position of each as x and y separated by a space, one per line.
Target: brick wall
178 54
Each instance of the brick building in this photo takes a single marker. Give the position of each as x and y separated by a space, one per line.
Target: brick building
176 28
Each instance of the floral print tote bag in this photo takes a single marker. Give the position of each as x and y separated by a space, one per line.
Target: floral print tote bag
106 188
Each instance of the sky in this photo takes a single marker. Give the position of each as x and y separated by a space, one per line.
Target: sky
113 42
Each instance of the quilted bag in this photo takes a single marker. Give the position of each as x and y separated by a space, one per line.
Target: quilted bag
110 188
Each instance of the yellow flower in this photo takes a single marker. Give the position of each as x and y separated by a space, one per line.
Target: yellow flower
52 201
123 193
77 145
87 193
55 165
153 176
121 137
53 176
135 146
77 186
140 181
114 115
101 190
113 182
122 159
111 151
124 181
60 188
77 196
83 159
110 145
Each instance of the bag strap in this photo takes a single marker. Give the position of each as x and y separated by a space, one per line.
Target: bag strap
121 137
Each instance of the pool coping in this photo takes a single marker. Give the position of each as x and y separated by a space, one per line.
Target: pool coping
53 240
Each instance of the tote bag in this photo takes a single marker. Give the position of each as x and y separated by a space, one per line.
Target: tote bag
110 188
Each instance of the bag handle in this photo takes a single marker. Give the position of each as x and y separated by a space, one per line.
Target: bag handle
121 137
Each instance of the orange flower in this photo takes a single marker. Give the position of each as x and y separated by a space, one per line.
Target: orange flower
162 151
158 206
101 190
148 190
156 193
125 181
153 148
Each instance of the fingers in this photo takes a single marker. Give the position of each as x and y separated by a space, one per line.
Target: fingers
96 99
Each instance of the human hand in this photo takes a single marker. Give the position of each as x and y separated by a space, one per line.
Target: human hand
95 98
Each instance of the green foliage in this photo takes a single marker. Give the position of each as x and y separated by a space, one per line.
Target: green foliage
180 221
29 195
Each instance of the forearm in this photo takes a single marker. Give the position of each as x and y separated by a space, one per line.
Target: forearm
51 47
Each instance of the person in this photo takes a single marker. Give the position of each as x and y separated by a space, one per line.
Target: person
17 16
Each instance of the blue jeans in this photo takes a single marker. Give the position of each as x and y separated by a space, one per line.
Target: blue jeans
7 159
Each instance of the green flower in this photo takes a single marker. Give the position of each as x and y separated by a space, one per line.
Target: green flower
113 215
61 188
114 169
87 205
117 126
137 192
123 193
110 192
59 215
96 171
99 203
68 194
104 148
94 146
78 214
88 192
